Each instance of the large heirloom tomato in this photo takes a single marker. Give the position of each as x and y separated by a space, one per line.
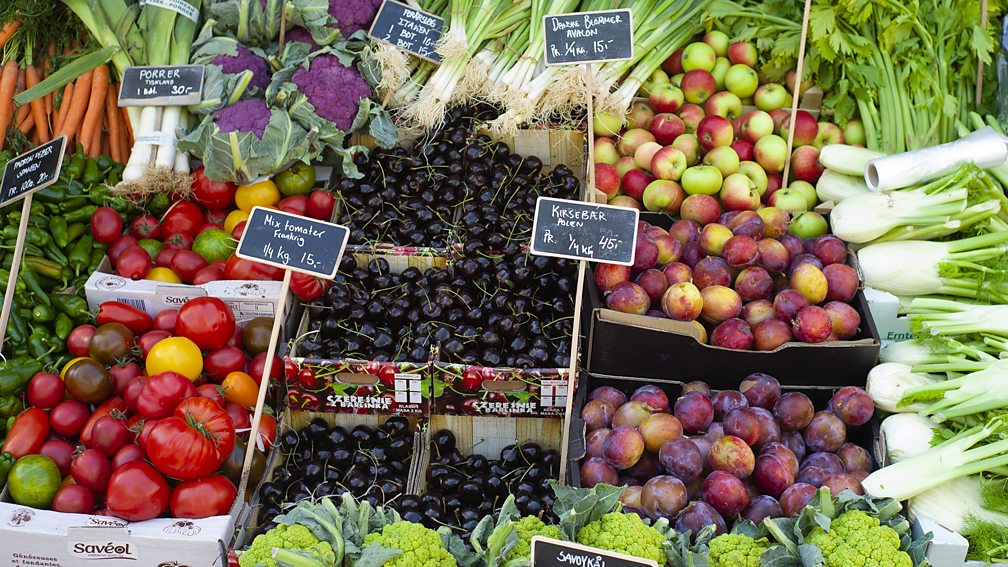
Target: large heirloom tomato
206 321
194 442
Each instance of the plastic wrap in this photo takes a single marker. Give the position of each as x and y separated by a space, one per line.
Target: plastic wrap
986 148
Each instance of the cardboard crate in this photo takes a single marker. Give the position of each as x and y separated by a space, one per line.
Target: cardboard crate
505 392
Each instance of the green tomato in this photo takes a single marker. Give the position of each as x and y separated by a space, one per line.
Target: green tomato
299 179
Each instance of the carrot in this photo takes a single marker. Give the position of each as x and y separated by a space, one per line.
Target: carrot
78 105
95 108
64 107
27 124
125 139
8 30
106 146
114 126
8 80
22 114
94 146
129 126
38 111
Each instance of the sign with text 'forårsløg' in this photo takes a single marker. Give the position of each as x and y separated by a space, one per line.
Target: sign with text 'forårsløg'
414 30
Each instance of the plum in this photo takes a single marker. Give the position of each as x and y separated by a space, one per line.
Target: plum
677 272
694 411
734 334
697 386
796 497
733 455
815 476
769 430
854 457
781 451
653 283
682 302
795 442
772 475
681 458
793 411
623 447
629 481
692 255
630 414
852 405
844 319
727 400
761 508
843 481
826 432
743 423
628 297
713 238
696 517
597 414
647 467
715 431
659 428
645 253
762 390
669 249
830 250
773 256
630 498
596 470
812 325
809 280
608 394
594 440
711 271
608 276
663 496
859 474
652 396
793 244
747 223
755 312
841 282
771 334
685 231
788 303
703 445
726 493
740 251
804 259
754 283
829 462
720 303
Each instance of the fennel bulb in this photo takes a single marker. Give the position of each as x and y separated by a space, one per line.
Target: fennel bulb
889 381
951 503
906 435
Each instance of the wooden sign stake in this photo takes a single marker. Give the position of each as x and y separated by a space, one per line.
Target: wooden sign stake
15 268
980 65
799 70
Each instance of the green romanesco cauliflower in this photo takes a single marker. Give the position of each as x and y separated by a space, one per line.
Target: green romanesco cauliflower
856 539
625 533
421 546
736 550
528 527
296 537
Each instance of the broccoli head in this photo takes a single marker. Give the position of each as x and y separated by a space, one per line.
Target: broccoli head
334 89
353 15
250 115
527 528
293 538
245 60
421 546
857 539
625 533
736 550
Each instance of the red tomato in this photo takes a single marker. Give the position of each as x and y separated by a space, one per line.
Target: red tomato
145 226
212 194
307 287
105 408
27 434
133 263
187 264
179 240
117 247
203 497
255 367
217 216
241 269
237 339
295 204
164 257
218 363
60 452
239 416
184 217
194 442
165 320
127 454
106 226
91 469
206 321
238 230
320 205
136 492
145 429
162 393
208 274
45 390
150 339
80 339
131 391
267 432
210 226
109 435
212 392
117 312
123 375
68 418
74 499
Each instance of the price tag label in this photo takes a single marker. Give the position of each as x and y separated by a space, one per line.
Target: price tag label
32 171
548 552
293 242
589 37
584 231
415 31
175 85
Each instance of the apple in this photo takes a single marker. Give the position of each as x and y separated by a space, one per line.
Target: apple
666 127
715 131
779 115
607 123
724 158
805 131
805 163
657 79
719 71
666 98
741 80
807 190
829 133
701 209
742 53
724 104
770 96
625 201
755 125
605 150
644 153
808 225
673 65
701 179
668 163
676 80
697 85
853 132
771 152
718 41
635 181
775 222
774 182
755 173
789 200
738 193
633 139
624 165
662 194
789 80
698 55
640 115
691 115
607 180
743 148
689 146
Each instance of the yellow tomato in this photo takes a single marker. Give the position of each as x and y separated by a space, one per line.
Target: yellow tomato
234 218
262 194
175 354
69 364
163 275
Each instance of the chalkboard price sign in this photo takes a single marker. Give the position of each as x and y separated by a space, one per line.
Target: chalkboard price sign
415 31
293 242
584 231
175 85
32 171
548 552
589 37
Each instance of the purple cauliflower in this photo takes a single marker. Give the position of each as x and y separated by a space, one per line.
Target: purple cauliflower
334 89
298 33
245 60
250 115
353 15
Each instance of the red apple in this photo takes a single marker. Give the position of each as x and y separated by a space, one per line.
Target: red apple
698 85
755 125
691 115
805 164
666 98
743 149
806 128
635 181
715 131
742 53
633 139
607 180
665 128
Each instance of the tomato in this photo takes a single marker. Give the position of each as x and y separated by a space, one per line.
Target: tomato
145 226
111 342
164 275
256 336
208 274
212 194
308 287
165 320
203 497
45 390
133 263
184 217
209 226
298 179
212 392
295 204
193 442
241 389
320 205
256 367
106 226
217 216
79 339
236 338
223 361
91 469
242 269
233 219
261 194
105 408
238 230
74 499
60 452
131 391
122 375
148 340
127 454
239 416
136 320
145 429
162 392
267 431
88 381
187 264
179 241
207 321
27 434
164 257
109 435
177 354
117 247
136 492
68 418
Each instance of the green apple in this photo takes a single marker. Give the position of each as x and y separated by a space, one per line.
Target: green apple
741 80
753 171
789 200
721 66
702 179
698 55
807 190
607 123
808 225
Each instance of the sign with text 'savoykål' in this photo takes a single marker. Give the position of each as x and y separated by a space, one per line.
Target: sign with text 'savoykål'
32 170
293 242
584 231
173 85
548 552
414 30
589 37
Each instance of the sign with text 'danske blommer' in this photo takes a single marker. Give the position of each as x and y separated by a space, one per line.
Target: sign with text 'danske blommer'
589 37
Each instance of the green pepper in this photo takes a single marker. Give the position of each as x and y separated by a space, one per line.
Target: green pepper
33 285
74 231
92 174
44 267
80 254
74 166
97 255
6 464
105 163
53 252
114 176
72 204
75 188
44 313
39 346
82 214
62 326
74 306
8 261
58 228
17 330
16 374
10 405
49 195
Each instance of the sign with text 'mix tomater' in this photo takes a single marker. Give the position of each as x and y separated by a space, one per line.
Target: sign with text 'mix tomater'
293 242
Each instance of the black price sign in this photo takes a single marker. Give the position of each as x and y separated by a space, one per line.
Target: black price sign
293 242
406 28
175 85
548 552
584 231
32 171
589 37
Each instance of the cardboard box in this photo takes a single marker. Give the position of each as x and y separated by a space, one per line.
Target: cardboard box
505 392
885 310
